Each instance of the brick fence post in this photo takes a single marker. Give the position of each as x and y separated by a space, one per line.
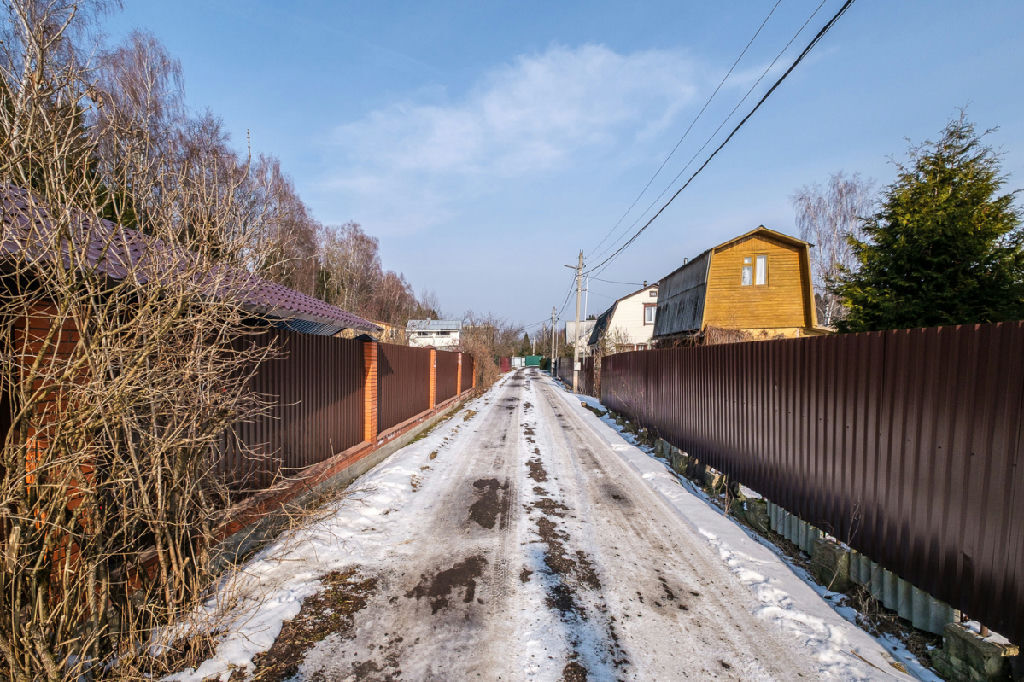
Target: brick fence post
433 378
458 377
370 391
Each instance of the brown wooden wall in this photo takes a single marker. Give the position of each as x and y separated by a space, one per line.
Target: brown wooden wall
782 302
907 445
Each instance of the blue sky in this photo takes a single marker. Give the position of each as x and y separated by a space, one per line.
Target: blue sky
486 143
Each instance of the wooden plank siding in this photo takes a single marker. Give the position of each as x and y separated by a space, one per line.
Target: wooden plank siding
784 303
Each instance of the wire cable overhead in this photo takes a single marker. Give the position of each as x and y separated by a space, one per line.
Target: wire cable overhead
814 41
689 127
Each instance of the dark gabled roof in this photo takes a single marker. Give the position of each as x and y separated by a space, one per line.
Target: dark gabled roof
116 251
601 325
681 298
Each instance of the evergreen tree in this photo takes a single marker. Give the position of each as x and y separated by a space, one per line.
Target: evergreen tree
945 246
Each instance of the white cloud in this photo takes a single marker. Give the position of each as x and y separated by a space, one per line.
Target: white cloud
532 116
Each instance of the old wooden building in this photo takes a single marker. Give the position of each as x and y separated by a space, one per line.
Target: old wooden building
757 285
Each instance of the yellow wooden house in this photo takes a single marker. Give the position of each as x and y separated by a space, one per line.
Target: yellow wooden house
754 286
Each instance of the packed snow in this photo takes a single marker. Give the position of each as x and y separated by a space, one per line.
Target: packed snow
524 538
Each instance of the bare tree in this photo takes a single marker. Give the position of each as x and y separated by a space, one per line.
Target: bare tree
828 217
124 361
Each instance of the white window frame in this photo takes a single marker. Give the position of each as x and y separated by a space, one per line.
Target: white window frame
761 270
654 313
747 273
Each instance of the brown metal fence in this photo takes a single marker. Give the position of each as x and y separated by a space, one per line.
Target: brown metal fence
906 444
316 390
586 381
403 383
468 371
447 375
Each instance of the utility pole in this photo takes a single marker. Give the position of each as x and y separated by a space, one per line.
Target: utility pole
553 347
586 306
576 332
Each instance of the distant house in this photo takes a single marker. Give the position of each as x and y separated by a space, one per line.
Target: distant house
433 333
628 324
756 285
586 327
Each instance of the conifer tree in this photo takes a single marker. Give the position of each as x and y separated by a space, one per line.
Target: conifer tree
945 246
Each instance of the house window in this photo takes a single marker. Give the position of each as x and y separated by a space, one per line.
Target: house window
649 312
748 273
653 293
761 272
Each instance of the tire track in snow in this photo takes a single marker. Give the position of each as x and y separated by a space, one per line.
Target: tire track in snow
659 583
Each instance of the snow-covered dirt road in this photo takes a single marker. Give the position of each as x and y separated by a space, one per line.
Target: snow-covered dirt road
521 541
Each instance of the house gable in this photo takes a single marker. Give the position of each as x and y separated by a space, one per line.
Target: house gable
779 298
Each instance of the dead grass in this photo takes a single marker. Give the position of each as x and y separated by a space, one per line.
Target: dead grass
328 612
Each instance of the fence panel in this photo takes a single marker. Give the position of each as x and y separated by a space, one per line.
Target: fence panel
447 375
468 371
316 392
586 380
403 383
905 444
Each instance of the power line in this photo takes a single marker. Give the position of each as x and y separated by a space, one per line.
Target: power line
721 125
821 33
572 287
689 127
608 281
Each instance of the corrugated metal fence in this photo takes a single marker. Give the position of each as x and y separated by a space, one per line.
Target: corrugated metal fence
316 392
447 375
586 380
906 444
468 372
403 383
315 388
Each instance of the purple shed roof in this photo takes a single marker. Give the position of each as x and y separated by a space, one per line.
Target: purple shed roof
115 251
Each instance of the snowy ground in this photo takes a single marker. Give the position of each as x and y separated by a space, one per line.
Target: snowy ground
527 540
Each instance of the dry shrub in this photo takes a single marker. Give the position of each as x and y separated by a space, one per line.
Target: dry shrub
487 372
124 362
713 336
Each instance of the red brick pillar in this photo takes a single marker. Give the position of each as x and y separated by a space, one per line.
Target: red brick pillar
433 378
370 391
473 378
458 375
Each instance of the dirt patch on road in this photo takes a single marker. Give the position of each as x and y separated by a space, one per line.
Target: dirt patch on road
439 587
579 568
328 612
574 672
492 502
549 507
537 471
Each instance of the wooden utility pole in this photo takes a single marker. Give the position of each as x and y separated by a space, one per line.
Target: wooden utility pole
553 347
576 331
